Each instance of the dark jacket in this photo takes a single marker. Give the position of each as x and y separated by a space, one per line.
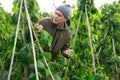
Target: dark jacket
61 36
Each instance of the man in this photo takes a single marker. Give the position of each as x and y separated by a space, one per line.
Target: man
58 28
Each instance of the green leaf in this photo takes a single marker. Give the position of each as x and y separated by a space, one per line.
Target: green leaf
48 55
15 9
89 77
32 76
45 38
99 77
40 64
47 72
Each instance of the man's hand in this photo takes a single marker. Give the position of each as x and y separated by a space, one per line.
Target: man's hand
67 53
39 27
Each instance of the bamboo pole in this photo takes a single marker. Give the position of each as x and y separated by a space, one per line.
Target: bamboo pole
42 52
31 25
90 38
33 46
114 53
76 31
15 42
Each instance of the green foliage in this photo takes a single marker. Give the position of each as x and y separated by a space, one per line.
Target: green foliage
45 38
105 31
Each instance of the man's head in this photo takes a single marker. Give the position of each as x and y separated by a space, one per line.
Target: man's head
62 14
65 10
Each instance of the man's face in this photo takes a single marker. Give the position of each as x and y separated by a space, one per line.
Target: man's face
58 18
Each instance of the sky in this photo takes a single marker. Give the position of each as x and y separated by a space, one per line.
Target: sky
47 5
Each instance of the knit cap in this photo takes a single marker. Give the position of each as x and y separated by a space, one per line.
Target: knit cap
65 10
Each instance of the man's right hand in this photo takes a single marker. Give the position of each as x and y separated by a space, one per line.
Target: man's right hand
39 27
68 52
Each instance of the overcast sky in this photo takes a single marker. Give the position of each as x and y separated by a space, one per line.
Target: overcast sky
47 5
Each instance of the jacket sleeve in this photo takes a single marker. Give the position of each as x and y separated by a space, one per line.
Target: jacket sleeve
44 23
67 43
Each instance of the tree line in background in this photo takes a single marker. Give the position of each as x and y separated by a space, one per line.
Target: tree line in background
95 39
